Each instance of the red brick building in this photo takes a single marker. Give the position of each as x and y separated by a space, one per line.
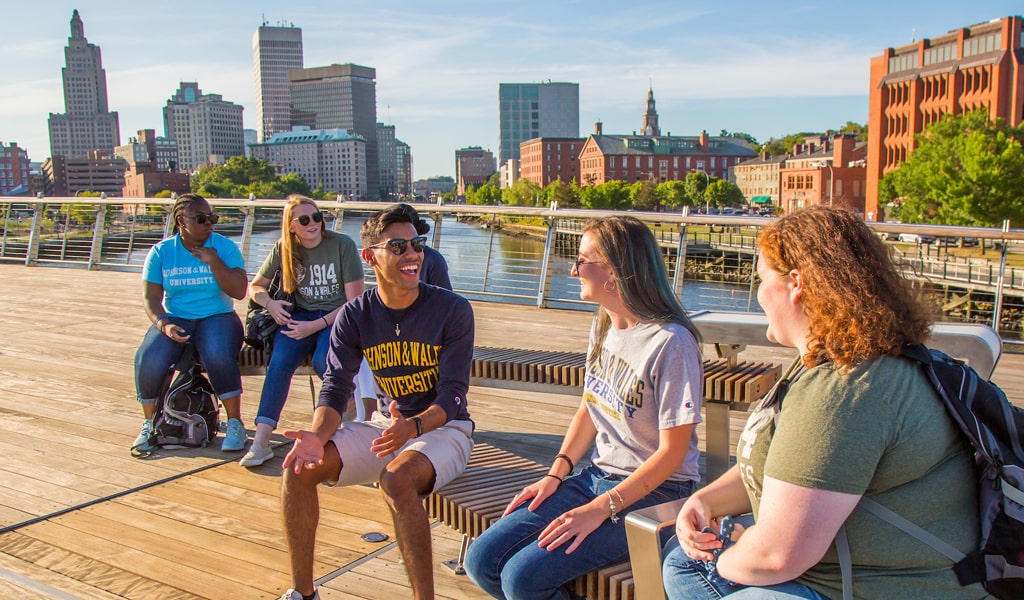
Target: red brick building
14 170
825 171
974 67
543 160
633 158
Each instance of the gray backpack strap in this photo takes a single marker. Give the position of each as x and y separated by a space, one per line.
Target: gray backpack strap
910 528
845 564
892 518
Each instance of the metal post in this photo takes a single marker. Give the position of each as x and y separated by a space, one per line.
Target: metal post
753 277
247 225
64 238
998 308
32 252
680 274
487 262
97 236
7 222
545 268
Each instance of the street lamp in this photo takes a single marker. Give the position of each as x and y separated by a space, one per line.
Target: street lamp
831 179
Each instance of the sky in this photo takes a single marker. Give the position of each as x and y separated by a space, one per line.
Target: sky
764 68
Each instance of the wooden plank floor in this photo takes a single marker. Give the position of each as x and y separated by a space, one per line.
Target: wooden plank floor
80 518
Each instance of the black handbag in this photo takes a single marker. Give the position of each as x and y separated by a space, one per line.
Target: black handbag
260 327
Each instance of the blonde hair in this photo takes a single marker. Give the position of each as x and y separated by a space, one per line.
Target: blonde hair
289 252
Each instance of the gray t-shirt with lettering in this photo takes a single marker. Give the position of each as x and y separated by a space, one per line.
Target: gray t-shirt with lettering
648 378
323 271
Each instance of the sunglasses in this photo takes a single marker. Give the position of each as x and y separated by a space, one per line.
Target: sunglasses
304 219
201 218
576 264
397 246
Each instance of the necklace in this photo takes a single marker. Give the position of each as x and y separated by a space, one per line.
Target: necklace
396 317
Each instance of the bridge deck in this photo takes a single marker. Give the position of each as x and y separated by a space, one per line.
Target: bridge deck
80 518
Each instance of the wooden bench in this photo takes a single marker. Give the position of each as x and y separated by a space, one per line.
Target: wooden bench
474 500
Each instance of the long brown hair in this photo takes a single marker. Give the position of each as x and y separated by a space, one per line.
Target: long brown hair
858 304
289 252
628 246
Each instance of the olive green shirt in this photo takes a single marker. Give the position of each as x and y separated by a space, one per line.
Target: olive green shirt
880 430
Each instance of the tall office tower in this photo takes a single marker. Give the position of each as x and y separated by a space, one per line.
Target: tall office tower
387 159
340 97
532 110
275 51
404 169
87 123
911 87
206 127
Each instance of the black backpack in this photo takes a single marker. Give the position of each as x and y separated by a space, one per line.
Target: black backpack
995 429
188 412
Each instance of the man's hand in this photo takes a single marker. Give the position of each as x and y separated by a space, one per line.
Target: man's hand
307 451
394 437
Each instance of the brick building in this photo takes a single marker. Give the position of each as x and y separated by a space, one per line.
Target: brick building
633 158
759 179
98 172
976 67
825 171
14 170
544 159
473 167
334 159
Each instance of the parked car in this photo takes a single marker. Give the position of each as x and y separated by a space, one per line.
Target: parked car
916 238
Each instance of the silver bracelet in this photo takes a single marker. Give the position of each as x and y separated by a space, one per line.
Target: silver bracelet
615 509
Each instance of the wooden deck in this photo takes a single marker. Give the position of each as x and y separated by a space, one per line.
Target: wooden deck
80 518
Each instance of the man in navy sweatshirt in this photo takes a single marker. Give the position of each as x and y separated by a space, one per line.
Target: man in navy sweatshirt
418 340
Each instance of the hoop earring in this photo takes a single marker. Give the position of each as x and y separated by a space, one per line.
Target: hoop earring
606 288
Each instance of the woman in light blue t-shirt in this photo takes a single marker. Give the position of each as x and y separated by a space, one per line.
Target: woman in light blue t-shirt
190 280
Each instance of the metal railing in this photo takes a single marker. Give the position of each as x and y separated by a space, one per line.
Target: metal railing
492 260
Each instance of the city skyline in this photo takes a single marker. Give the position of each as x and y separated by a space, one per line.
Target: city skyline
764 69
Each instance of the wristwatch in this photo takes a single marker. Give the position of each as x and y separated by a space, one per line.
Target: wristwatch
419 425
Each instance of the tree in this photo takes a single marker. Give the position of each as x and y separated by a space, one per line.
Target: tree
241 176
483 194
966 170
861 131
723 193
673 194
696 182
563 193
521 193
643 195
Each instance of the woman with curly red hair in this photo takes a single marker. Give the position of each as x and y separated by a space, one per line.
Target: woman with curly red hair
850 419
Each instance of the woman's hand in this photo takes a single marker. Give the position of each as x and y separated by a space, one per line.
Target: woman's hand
693 517
278 310
172 331
298 330
539 491
574 526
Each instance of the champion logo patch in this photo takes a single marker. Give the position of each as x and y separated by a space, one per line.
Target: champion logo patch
458 401
688 404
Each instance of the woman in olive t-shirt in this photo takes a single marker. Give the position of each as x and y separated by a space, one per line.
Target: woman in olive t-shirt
321 269
856 421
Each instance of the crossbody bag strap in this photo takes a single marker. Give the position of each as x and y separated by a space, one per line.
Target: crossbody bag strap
845 564
910 528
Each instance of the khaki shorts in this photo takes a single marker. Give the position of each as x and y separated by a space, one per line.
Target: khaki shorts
447 449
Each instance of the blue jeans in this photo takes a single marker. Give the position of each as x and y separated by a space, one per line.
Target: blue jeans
506 562
217 338
688 579
286 356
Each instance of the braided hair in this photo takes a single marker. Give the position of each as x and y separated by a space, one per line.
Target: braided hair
181 205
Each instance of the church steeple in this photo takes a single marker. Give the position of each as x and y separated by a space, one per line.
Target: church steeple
649 126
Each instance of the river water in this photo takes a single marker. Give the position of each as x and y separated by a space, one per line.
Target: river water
507 268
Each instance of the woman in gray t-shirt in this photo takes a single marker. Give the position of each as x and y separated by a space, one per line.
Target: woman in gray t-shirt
641 401
321 270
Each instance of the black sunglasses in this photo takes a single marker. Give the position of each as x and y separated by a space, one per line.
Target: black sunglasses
397 246
304 219
201 218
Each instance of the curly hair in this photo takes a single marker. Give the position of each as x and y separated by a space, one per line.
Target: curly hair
630 249
289 252
858 304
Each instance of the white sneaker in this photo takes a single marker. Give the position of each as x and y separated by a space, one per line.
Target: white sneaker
256 456
293 595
